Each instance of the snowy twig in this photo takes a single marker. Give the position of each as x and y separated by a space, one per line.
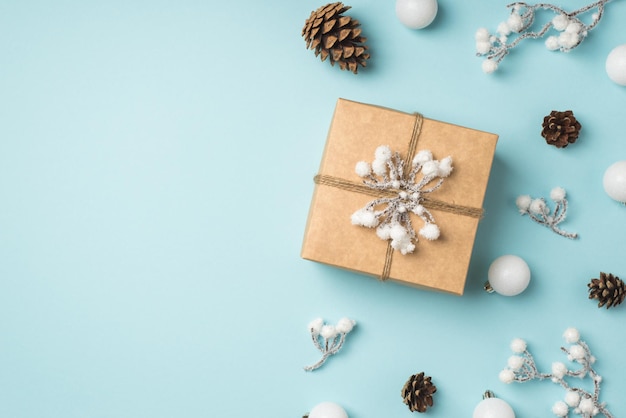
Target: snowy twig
522 368
569 28
328 339
538 211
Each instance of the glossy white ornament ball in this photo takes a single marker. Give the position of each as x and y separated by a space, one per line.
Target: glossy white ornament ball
509 275
328 410
616 65
493 408
416 14
614 181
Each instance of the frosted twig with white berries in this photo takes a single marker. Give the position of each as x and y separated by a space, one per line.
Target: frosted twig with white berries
538 211
386 173
522 368
569 28
328 339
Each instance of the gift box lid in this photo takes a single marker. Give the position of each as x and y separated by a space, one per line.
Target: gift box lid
356 131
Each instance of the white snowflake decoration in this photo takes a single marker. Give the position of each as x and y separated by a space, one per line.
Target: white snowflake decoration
386 173
521 367
569 30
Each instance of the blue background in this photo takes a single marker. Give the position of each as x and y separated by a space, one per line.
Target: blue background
156 164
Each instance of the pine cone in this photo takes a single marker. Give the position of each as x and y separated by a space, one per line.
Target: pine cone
560 128
417 392
608 289
335 36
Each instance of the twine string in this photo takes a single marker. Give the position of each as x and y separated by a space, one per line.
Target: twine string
410 152
427 202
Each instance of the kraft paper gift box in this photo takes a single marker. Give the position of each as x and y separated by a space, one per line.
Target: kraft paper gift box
356 131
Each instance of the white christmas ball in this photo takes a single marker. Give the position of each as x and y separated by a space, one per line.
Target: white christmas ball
328 410
614 181
616 65
493 408
509 275
416 14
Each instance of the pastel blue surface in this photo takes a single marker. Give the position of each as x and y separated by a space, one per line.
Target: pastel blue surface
156 164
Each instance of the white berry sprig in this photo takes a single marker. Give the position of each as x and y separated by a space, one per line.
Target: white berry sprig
521 367
328 339
569 30
538 211
386 173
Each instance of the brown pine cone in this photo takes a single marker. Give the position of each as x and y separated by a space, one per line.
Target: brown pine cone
417 392
560 128
609 290
332 35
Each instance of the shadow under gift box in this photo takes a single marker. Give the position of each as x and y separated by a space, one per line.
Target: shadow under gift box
356 131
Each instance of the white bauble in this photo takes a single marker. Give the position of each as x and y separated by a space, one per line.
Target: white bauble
509 275
616 65
328 410
416 14
614 181
493 408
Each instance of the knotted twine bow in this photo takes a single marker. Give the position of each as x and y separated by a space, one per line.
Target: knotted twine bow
427 202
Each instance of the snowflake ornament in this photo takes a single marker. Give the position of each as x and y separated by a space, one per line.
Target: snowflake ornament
521 367
390 215
569 30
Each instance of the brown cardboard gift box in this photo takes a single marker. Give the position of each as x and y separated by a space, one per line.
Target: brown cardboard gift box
356 131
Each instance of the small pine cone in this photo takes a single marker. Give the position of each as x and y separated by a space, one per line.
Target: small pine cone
560 128
332 35
418 392
609 290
